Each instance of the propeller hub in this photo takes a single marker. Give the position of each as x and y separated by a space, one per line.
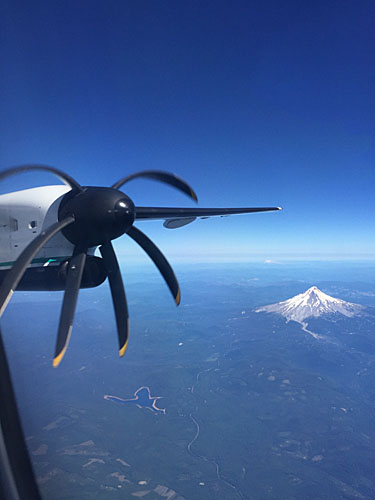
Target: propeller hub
101 215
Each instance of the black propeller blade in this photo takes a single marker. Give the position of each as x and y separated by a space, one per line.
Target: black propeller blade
159 260
14 276
17 479
32 167
73 283
118 295
161 176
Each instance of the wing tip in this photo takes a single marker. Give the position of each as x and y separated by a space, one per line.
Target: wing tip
178 297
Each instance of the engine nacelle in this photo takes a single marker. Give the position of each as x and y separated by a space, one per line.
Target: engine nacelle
53 277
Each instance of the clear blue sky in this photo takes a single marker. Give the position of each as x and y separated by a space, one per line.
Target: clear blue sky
252 102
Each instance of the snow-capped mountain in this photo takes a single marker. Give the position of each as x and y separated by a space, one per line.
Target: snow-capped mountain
312 303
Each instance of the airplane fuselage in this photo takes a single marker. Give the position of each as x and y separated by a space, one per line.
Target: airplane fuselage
23 216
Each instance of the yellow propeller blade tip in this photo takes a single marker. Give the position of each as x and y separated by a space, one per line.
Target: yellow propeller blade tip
57 359
123 349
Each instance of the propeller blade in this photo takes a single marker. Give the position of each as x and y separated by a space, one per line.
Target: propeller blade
17 476
15 274
159 260
73 283
118 295
161 176
27 168
176 213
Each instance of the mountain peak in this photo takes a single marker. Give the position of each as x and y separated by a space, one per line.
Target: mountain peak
312 303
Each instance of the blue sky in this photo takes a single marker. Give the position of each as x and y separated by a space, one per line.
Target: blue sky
253 103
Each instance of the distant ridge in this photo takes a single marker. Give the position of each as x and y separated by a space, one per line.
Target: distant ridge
312 303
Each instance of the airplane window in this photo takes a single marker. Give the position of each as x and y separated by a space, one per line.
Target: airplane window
32 224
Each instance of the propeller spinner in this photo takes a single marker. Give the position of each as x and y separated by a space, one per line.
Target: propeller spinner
93 217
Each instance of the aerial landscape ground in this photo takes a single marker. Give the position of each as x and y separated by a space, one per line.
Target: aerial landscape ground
255 408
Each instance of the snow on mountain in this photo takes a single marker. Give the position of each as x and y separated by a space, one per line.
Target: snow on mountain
312 303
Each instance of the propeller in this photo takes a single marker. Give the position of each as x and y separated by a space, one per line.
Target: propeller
69 181
73 283
92 217
118 295
159 260
161 176
14 276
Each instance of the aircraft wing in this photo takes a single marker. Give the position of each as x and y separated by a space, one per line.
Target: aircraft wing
177 217
178 213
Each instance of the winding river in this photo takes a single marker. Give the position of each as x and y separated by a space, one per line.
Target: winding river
227 482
